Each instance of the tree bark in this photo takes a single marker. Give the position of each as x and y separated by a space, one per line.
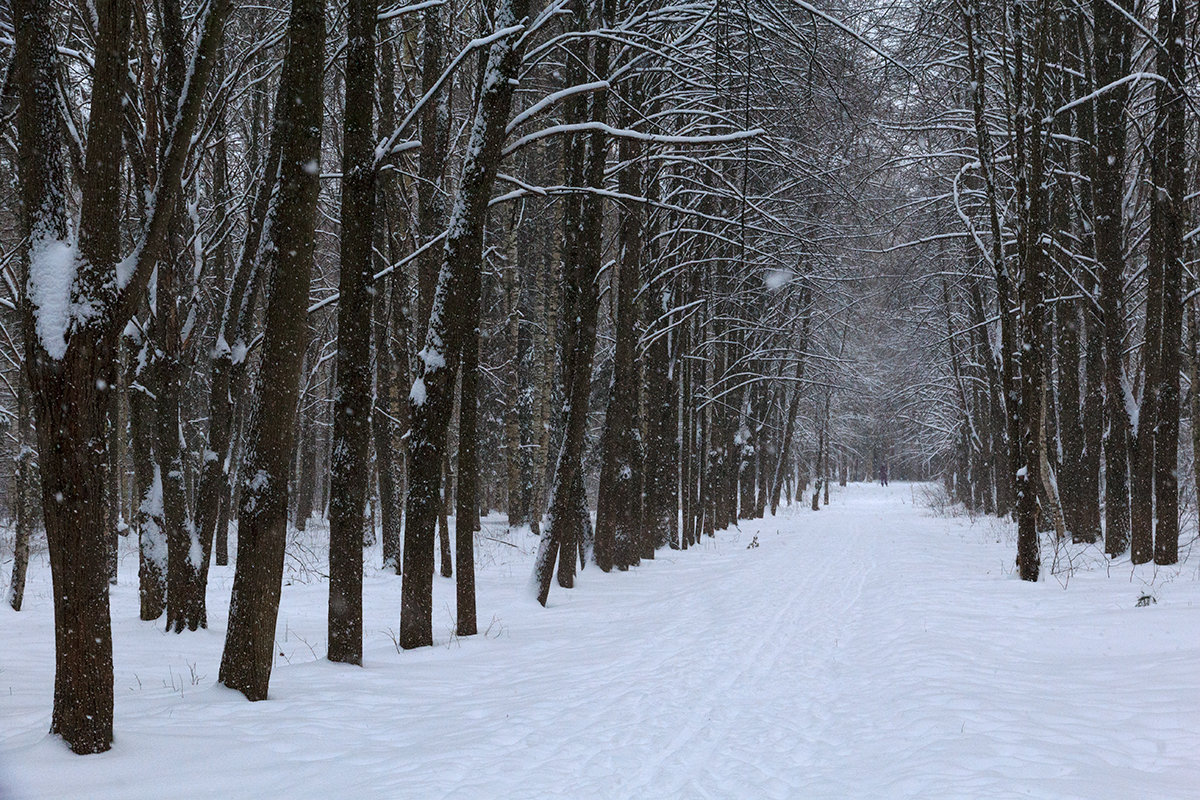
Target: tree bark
67 367
262 520
466 495
1011 392
568 524
1031 162
229 367
22 488
392 348
434 131
619 506
1111 58
152 544
445 559
350 467
432 395
305 466
789 423
1168 225
517 505
1093 388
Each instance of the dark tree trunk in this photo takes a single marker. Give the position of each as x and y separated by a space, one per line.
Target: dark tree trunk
1093 371
112 469
432 395
819 458
214 464
306 466
262 518
789 423
466 494
434 131
516 395
185 594
350 467
229 369
392 350
662 462
988 420
1093 430
1068 325
1141 481
70 370
72 487
687 437
1010 395
619 506
565 535
22 489
1168 225
568 524
1111 59
1193 349
1032 190
383 432
232 494
445 560
544 361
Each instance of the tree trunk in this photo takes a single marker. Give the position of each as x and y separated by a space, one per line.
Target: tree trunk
1093 371
1031 161
69 364
1168 226
789 423
547 299
113 468
466 494
392 349
514 460
662 462
1141 482
185 594
383 432
229 367
568 523
350 468
22 489
687 437
434 132
306 466
1111 58
1010 395
445 560
660 387
432 395
619 506
147 484
262 520
1193 346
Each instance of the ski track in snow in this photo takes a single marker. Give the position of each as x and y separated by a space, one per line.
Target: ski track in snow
870 650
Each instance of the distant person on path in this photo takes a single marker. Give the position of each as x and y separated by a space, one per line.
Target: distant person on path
883 474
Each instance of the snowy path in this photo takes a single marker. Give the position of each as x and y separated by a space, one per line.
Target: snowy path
867 651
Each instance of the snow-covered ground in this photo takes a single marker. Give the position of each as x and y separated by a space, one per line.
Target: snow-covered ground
871 650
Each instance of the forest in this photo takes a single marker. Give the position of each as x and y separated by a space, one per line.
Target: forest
622 274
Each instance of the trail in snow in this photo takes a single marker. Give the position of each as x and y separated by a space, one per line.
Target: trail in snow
869 650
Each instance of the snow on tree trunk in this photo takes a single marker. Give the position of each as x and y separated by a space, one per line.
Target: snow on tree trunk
432 395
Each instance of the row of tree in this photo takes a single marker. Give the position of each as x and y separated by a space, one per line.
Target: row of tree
423 260
1052 146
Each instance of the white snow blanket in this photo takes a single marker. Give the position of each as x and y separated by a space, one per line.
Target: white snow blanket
869 650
